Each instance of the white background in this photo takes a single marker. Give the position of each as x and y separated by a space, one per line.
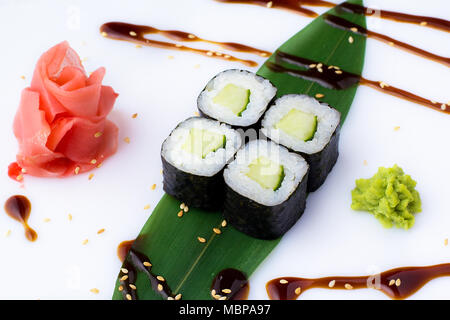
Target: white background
162 87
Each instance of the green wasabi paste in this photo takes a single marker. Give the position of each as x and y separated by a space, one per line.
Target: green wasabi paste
390 195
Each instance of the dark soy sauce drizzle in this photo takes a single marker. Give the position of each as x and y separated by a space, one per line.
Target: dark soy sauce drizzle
399 283
123 248
436 23
137 262
291 5
333 78
297 6
19 208
136 34
233 282
349 26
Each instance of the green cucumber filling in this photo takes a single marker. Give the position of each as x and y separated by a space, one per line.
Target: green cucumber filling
201 142
267 173
234 98
298 124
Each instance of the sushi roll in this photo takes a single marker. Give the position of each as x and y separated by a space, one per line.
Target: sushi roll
265 189
236 97
308 127
193 158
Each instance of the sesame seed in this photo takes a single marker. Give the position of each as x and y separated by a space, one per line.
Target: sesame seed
160 278
217 230
23 170
128 296
338 72
132 286
443 106
320 95
124 270
91 176
202 240
160 287
170 298
125 277
77 170
126 140
263 54
392 282
209 53
191 36
320 65
133 34
100 231
134 116
227 56
226 290
354 29
95 290
223 298
398 282
269 4
433 102
153 187
147 207
104 34
47 220
331 283
391 44
219 54
312 65
186 209
298 290
182 206
19 177
178 296
348 286
383 84
147 264
93 161
213 292
423 23
120 288
180 214
178 45
330 67
320 70
85 241
350 39
283 281
224 223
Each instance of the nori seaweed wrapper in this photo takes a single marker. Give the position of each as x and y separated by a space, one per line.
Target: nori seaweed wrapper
194 190
264 222
321 163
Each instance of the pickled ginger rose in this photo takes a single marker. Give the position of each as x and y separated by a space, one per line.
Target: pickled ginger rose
61 124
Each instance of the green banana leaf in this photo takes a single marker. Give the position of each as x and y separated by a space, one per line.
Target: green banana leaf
171 243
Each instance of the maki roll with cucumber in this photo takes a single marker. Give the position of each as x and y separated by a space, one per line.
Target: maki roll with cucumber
193 157
308 127
236 97
265 189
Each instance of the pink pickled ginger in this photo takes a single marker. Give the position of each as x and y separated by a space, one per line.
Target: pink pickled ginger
61 124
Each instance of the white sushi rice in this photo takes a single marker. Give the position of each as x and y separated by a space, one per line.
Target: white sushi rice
173 152
295 168
327 121
261 93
